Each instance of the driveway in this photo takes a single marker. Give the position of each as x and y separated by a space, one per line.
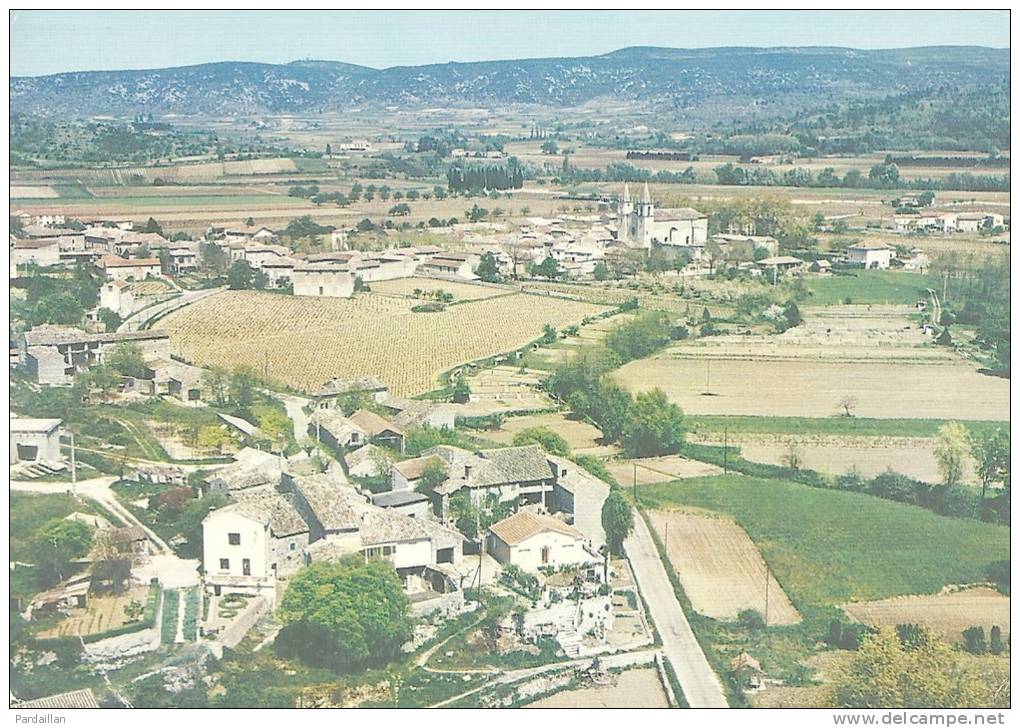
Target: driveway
700 684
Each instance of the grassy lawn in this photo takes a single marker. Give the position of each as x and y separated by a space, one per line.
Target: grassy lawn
873 286
828 547
846 426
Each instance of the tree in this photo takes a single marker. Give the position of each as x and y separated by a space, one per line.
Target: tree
212 437
110 319
488 269
240 275
102 377
991 451
346 616
56 544
551 442
655 426
217 382
924 673
617 520
601 271
274 424
401 210
433 474
548 268
847 404
550 147
461 391
952 443
151 226
241 389
127 359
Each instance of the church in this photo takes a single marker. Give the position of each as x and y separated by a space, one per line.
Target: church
640 225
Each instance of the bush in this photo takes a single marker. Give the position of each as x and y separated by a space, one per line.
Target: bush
995 645
751 620
974 640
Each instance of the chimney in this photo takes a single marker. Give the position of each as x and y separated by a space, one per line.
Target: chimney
467 471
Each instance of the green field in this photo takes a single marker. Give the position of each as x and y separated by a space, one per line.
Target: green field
840 426
828 547
873 286
28 512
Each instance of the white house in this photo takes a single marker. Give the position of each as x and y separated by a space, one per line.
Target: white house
870 254
117 296
35 440
323 279
453 265
529 541
129 269
41 251
580 495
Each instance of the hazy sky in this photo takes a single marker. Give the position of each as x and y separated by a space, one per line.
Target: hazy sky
45 42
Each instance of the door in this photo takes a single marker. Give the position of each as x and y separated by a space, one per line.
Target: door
545 554
246 567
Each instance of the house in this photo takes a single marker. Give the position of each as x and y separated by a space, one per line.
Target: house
327 503
780 263
640 226
38 251
279 271
519 475
35 440
333 428
418 413
322 279
257 256
183 259
452 265
870 254
379 430
186 383
529 541
337 390
246 545
405 475
132 242
54 354
406 502
116 295
157 473
251 469
579 496
369 461
134 269
820 266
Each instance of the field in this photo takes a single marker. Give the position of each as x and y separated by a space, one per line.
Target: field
720 568
405 287
582 437
949 612
638 688
868 456
659 469
506 388
830 547
873 286
873 355
31 192
302 342
101 614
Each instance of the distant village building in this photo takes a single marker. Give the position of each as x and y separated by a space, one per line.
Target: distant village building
129 269
639 226
323 279
870 254
54 354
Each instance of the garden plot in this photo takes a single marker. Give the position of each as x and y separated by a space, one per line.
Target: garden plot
659 470
950 612
638 688
303 342
583 438
27 192
506 388
836 455
874 358
101 615
720 568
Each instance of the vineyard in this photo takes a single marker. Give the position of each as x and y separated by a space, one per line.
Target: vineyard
406 287
302 342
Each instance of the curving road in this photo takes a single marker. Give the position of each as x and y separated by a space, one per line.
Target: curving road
138 320
699 682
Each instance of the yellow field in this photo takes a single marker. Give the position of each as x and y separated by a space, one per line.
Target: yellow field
302 342
876 357
720 568
948 613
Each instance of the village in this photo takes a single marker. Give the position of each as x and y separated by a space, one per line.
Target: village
624 400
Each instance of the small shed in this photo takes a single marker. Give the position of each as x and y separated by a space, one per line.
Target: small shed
747 672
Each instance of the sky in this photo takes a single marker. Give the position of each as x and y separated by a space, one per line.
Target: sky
44 42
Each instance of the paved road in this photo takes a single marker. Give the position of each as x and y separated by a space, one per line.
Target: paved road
700 684
295 410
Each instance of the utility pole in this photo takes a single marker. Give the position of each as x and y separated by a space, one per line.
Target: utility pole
634 482
665 545
74 466
766 595
726 451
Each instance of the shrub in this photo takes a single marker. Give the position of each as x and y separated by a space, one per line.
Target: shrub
751 620
974 640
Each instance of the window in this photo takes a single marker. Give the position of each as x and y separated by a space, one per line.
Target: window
246 567
545 554
234 539
293 546
224 564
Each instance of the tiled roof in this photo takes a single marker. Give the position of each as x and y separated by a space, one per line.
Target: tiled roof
75 699
269 506
524 524
520 464
333 503
386 526
372 423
